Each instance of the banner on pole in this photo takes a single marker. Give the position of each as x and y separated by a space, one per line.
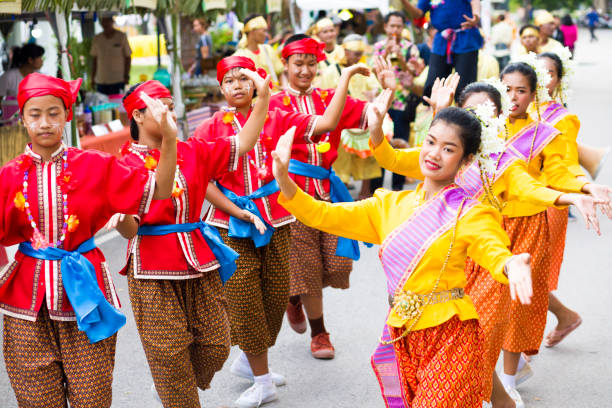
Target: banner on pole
213 4
10 6
274 6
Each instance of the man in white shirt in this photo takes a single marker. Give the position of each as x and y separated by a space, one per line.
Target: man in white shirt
112 59
501 37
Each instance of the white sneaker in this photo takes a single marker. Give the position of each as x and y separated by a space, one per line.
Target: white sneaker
486 404
524 374
240 369
257 395
155 394
516 397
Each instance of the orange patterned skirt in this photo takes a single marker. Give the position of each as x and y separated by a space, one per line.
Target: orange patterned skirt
527 322
557 226
440 366
492 302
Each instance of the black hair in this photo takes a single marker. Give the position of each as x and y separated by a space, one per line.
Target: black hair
526 26
133 125
556 60
394 14
21 55
294 38
251 16
501 17
481 87
469 127
525 70
567 20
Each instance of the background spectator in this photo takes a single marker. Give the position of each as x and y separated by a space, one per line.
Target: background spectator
203 47
501 38
426 46
570 32
112 59
593 18
26 59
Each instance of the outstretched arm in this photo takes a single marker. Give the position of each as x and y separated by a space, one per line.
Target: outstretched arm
252 128
351 220
329 120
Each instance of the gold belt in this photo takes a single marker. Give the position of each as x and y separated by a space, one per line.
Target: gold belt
407 305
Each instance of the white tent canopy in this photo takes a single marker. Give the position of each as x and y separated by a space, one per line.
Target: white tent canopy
383 5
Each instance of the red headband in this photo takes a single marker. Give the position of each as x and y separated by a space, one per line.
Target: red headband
153 88
37 84
229 63
305 46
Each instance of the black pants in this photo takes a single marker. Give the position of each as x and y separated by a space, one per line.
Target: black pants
401 130
111 89
592 31
466 65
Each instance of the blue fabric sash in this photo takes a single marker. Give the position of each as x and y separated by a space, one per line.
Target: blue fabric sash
244 229
224 254
95 316
347 248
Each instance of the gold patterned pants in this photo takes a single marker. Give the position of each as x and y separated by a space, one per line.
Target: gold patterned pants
257 294
184 331
50 362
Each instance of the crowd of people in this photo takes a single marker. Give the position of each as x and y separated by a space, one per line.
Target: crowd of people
471 255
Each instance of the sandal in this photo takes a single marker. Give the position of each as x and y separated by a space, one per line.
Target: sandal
556 336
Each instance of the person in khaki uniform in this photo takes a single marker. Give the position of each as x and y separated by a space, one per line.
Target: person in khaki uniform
112 59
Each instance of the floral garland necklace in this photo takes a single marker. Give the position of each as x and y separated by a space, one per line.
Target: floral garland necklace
71 222
323 146
150 160
263 172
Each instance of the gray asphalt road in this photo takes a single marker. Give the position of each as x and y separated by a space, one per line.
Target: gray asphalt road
575 374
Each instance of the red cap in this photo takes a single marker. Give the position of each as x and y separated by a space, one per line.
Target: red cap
153 88
305 46
229 63
36 84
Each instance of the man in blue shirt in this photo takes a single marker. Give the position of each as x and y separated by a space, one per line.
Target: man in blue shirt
593 17
457 40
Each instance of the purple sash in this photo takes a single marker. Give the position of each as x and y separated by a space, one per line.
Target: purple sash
517 148
554 113
400 253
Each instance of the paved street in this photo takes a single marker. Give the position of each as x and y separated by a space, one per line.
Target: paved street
575 374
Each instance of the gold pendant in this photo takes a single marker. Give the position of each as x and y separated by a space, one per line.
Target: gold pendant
323 147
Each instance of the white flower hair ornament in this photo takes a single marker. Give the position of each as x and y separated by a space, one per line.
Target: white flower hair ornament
544 77
490 142
503 91
569 69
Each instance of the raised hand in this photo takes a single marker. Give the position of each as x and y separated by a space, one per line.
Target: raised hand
161 115
385 73
443 92
261 85
518 270
282 154
376 114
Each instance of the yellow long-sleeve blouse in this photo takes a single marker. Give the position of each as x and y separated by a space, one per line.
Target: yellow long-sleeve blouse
266 58
479 235
515 184
569 127
550 167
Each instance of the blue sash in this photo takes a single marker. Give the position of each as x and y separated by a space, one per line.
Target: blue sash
347 248
95 316
244 229
224 254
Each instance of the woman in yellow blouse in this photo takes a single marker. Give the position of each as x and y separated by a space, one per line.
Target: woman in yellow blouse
492 299
554 113
426 236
